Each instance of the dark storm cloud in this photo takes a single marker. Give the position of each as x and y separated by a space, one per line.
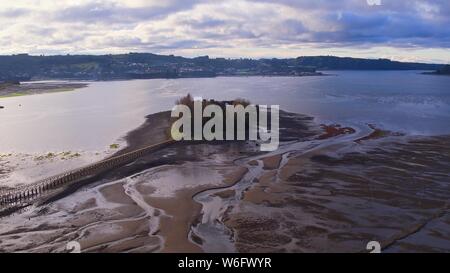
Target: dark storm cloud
390 28
420 23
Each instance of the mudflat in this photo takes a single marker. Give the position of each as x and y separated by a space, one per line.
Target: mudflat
327 188
32 88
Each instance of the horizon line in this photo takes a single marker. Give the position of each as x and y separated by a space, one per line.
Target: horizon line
215 57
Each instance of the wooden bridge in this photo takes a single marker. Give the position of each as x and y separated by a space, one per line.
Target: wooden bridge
25 195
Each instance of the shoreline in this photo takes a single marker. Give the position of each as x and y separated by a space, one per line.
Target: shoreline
221 188
37 88
270 164
46 86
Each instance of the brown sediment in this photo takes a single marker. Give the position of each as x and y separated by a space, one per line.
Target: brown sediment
95 227
235 176
272 162
183 211
334 130
333 198
115 194
180 212
154 130
98 237
145 189
257 233
267 178
300 162
226 193
91 216
377 133
88 204
262 192
259 195
328 202
175 228
253 163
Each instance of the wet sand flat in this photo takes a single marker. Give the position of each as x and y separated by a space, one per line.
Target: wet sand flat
319 192
337 199
32 88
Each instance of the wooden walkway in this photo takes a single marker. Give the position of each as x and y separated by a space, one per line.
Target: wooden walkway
26 194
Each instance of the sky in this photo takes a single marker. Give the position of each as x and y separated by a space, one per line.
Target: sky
404 30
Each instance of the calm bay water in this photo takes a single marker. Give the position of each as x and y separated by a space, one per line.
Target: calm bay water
94 117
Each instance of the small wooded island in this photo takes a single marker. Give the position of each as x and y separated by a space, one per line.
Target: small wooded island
445 70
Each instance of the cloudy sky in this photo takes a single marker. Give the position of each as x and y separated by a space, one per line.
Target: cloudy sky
412 30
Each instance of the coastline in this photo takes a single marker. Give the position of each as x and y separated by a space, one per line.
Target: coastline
35 88
67 85
181 197
435 73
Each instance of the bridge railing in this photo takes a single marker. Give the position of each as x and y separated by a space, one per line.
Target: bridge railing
28 193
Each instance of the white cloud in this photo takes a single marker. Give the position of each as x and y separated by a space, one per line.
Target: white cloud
374 2
284 28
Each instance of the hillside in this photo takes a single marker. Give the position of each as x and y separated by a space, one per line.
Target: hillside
146 65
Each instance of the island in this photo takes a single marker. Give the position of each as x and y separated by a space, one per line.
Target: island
445 70
15 88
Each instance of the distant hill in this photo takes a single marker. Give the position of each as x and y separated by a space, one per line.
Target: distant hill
445 70
146 65
339 63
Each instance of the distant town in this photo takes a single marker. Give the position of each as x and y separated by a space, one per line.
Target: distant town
23 67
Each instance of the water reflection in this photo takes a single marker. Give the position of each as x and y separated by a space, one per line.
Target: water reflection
94 117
